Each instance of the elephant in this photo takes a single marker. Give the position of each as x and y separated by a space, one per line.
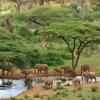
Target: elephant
67 70
41 67
27 71
76 81
28 81
7 67
48 83
89 75
85 68
58 71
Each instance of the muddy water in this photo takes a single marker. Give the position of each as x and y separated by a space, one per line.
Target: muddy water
18 87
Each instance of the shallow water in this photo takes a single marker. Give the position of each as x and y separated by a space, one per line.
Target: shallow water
18 87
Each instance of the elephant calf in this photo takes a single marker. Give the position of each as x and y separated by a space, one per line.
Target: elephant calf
48 83
89 75
76 81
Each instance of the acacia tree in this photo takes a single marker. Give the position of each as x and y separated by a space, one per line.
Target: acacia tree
76 34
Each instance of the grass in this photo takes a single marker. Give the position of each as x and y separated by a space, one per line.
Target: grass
92 60
84 94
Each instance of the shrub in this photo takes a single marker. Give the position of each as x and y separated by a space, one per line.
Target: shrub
94 89
12 98
60 87
26 96
79 95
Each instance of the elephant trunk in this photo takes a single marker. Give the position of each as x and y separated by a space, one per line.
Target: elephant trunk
82 78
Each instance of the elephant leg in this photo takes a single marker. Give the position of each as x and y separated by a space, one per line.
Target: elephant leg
38 71
47 71
95 79
51 85
91 80
2 72
48 85
26 82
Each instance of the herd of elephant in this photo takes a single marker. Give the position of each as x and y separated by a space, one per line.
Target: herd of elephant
62 71
43 69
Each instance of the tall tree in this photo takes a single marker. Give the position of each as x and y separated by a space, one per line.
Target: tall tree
76 34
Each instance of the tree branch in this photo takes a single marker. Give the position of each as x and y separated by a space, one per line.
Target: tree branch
63 38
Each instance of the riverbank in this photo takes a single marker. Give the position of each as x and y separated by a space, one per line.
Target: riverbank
44 92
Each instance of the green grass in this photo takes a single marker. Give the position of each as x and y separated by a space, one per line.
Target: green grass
84 94
93 61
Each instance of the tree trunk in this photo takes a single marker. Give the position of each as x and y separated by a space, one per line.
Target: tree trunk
72 60
76 62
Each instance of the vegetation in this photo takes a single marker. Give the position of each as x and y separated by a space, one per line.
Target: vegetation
78 39
54 32
32 46
83 94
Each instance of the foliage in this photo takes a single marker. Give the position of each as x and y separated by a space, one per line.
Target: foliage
76 38
92 16
23 47
24 32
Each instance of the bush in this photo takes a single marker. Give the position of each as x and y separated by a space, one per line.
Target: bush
92 16
12 98
94 89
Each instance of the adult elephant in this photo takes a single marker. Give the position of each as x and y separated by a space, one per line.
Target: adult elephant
85 68
40 68
89 75
28 81
7 68
67 70
27 70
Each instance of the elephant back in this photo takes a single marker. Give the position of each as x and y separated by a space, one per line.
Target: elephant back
7 66
27 71
92 74
29 77
41 66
